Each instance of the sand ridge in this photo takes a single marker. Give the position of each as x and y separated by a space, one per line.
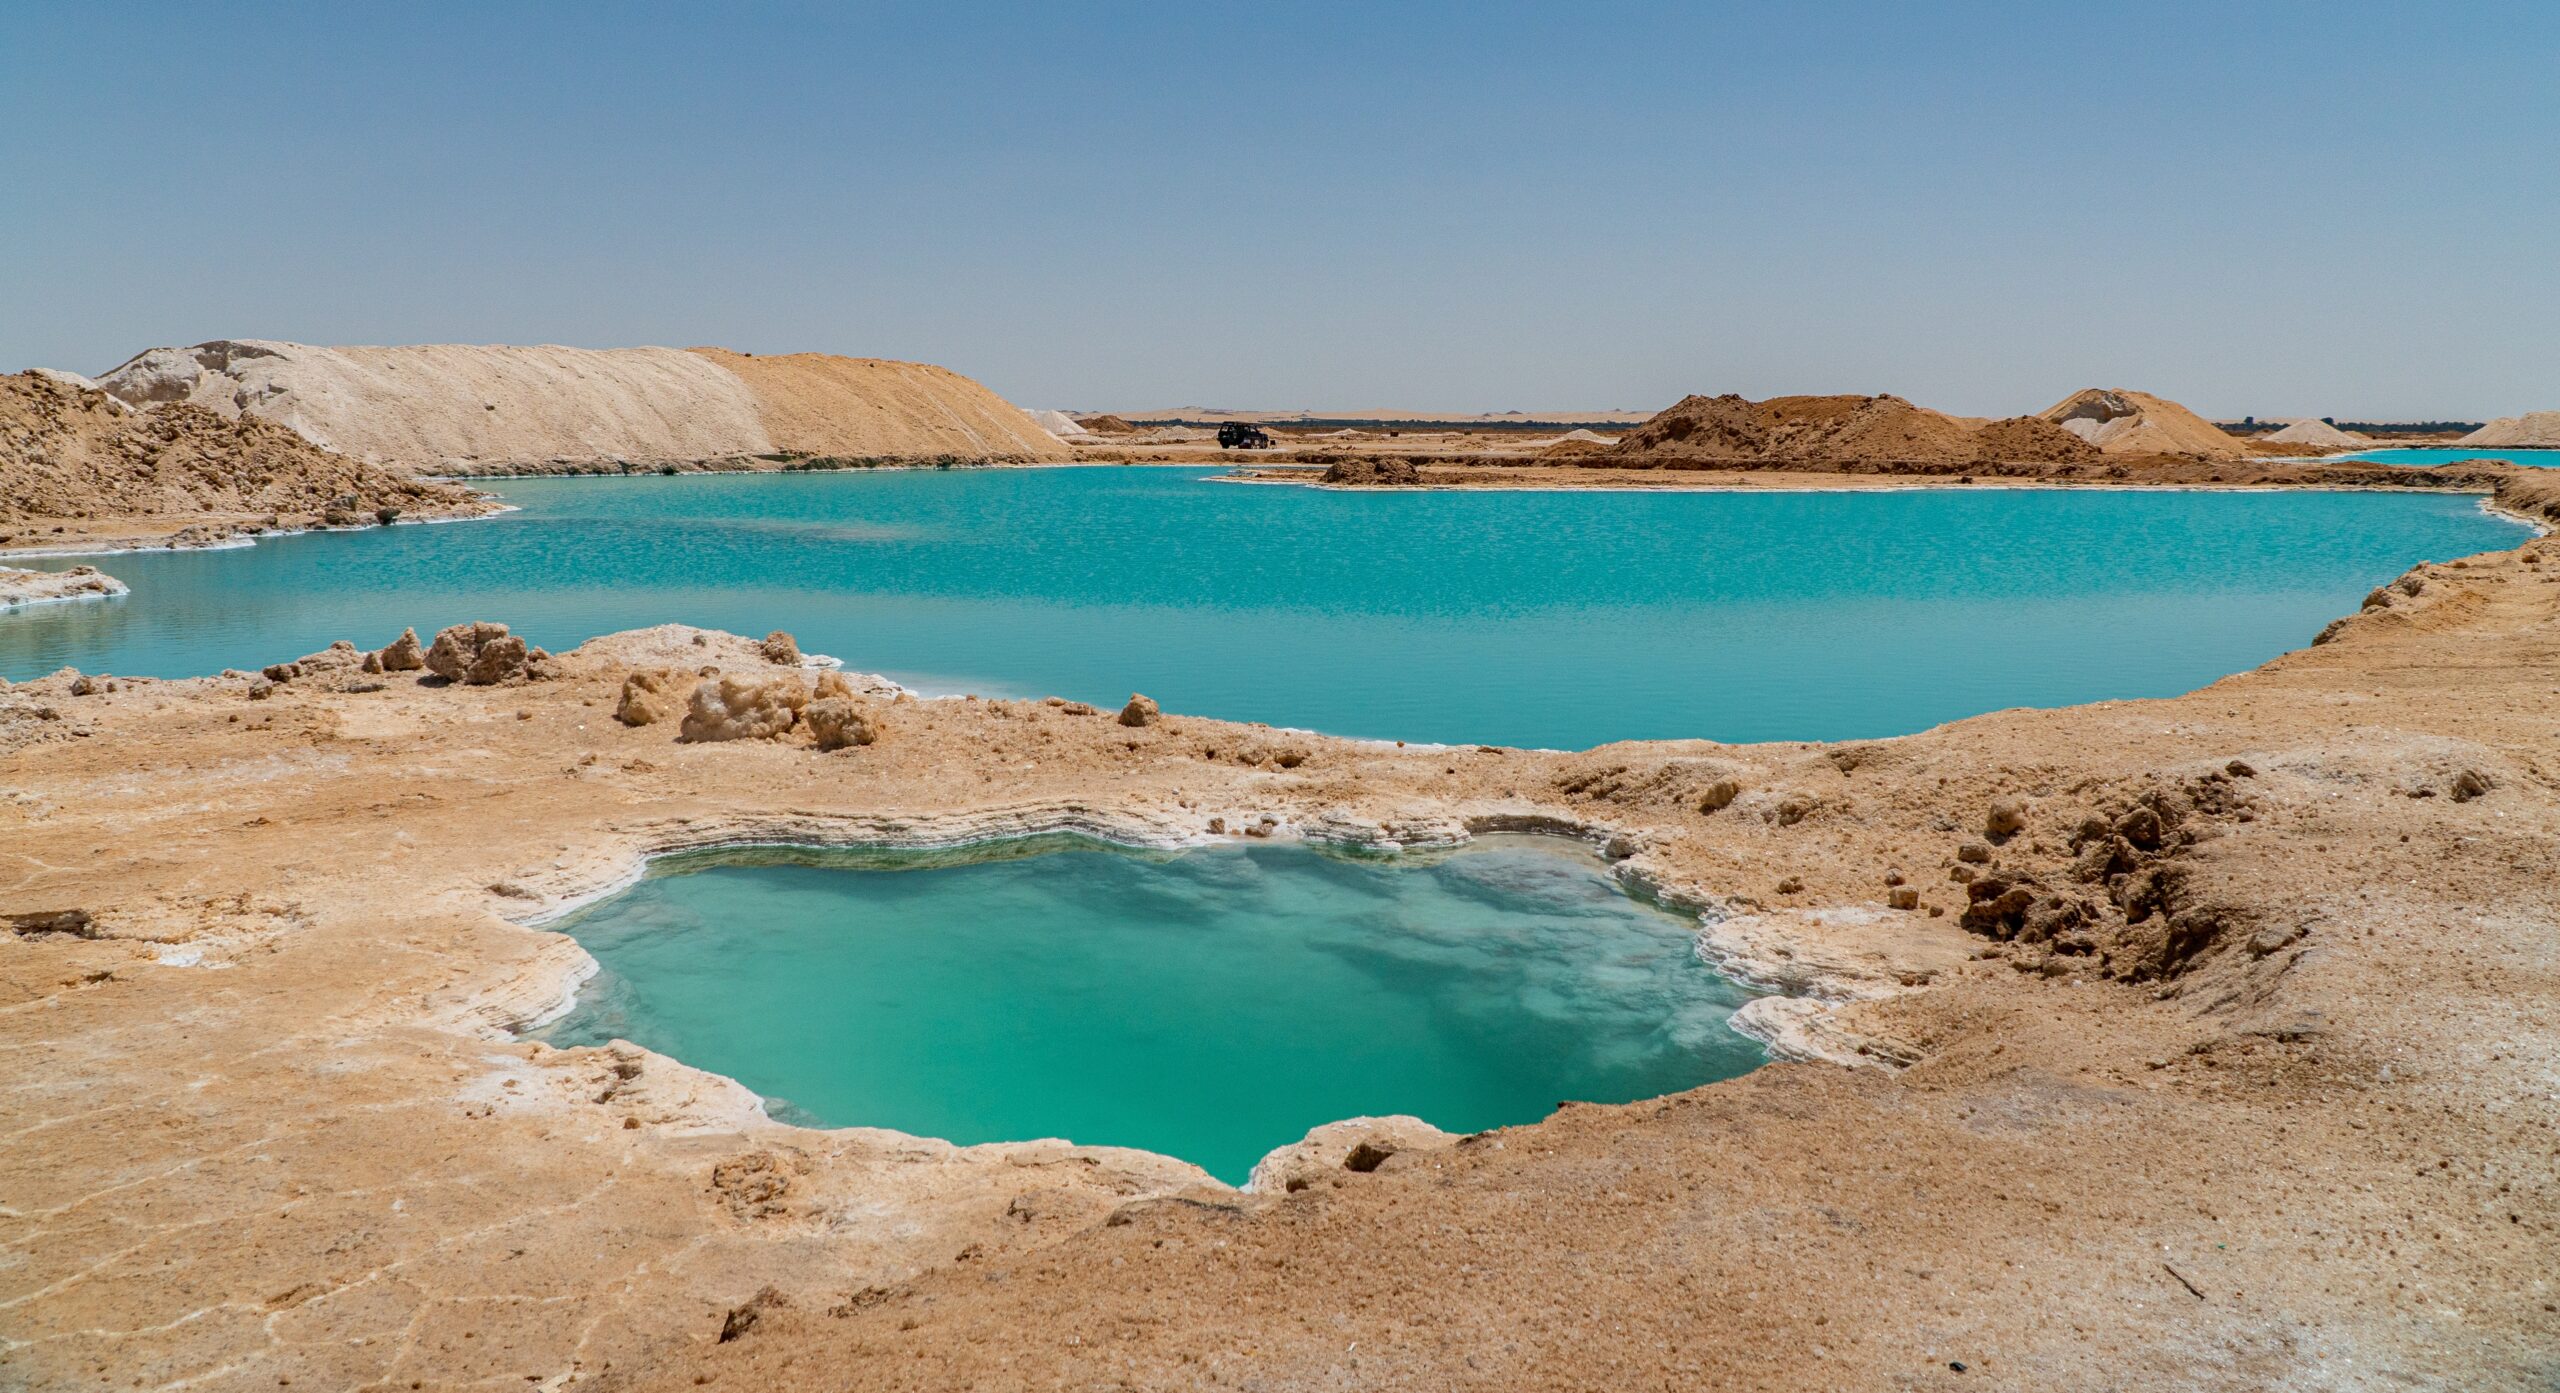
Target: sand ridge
820 404
471 408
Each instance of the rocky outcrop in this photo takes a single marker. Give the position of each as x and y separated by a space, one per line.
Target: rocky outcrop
730 707
1372 472
1330 1154
780 647
337 657
839 723
647 698
68 454
1141 711
484 655
402 654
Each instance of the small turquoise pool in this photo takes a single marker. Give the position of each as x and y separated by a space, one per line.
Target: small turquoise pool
1560 620
1212 1004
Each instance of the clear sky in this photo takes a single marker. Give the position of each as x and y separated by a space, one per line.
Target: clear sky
2276 208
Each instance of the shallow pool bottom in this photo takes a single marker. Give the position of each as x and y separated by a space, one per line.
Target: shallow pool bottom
1211 1004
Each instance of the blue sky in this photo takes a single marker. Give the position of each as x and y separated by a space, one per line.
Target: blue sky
2339 209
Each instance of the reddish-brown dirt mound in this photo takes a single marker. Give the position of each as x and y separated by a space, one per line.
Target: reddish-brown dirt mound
2031 438
72 453
1839 430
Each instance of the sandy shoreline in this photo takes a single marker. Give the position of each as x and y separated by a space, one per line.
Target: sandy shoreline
2333 985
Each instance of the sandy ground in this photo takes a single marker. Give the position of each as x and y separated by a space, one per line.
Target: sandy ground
2219 1046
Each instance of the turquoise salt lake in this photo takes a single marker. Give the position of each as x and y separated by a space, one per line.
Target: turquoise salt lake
1211 1004
1543 619
1217 1003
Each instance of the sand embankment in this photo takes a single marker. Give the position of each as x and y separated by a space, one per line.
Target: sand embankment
2201 1042
489 408
820 404
2535 430
77 469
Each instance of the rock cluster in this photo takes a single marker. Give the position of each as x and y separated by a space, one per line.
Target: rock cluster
402 654
2125 901
482 654
839 723
730 707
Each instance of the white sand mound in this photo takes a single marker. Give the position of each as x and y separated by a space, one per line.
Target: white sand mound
72 380
2123 422
2535 430
438 404
1059 424
2311 430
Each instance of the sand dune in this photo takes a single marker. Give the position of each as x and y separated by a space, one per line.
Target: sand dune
477 407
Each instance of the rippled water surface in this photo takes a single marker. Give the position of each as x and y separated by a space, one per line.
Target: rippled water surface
1210 1005
1548 619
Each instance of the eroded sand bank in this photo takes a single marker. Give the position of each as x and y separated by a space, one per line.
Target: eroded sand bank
2239 1074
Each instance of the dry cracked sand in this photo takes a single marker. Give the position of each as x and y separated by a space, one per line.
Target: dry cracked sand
2218 1046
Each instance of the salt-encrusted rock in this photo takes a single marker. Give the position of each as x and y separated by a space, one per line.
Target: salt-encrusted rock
1338 1150
647 698
1719 795
19 587
839 723
1141 711
340 654
2007 817
834 684
743 708
780 647
402 654
456 648
499 660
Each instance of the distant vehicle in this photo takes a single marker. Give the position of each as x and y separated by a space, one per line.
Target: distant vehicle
1236 435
